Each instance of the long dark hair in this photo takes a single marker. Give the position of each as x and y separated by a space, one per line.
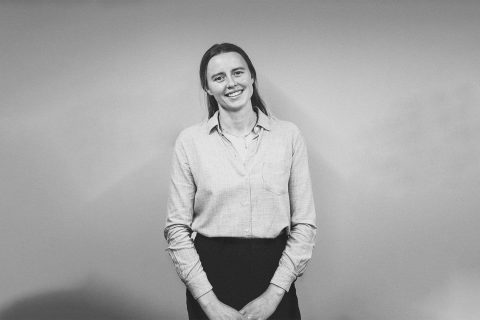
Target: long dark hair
214 50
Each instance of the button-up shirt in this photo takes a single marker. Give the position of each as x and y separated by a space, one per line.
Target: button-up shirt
216 193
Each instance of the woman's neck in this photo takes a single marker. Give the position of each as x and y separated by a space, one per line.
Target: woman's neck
237 123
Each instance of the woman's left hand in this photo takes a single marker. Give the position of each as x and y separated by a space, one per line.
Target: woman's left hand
265 305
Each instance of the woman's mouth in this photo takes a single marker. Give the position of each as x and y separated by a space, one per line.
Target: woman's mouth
234 93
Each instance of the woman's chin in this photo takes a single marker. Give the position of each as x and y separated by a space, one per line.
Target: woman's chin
235 107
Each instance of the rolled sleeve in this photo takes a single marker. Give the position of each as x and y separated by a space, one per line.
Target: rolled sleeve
186 261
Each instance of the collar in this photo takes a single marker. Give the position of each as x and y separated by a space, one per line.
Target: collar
212 122
263 121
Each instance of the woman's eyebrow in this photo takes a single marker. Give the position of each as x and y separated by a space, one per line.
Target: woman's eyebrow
223 73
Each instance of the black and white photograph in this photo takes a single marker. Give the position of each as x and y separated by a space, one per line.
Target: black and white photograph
247 160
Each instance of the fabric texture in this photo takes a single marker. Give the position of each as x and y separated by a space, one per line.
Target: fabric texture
239 270
241 144
217 194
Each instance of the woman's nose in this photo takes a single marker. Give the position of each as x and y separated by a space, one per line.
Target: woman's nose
231 82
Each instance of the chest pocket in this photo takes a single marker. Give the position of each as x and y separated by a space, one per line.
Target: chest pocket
275 177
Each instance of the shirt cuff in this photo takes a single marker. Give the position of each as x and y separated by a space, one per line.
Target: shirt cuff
283 278
199 285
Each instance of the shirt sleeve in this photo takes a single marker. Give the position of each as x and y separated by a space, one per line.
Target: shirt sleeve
178 224
301 240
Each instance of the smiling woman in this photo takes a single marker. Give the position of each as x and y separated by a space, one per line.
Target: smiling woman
240 220
221 50
229 81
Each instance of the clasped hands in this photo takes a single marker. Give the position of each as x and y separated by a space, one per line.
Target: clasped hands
259 309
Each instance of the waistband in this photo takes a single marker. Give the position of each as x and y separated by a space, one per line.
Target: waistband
236 240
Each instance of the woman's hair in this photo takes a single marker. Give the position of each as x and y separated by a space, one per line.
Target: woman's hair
214 50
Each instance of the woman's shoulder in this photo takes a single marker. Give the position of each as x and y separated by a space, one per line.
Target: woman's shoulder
283 126
193 131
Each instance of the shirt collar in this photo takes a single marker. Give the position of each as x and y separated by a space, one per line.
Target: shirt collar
263 121
212 122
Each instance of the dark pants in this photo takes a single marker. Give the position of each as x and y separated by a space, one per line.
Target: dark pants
240 270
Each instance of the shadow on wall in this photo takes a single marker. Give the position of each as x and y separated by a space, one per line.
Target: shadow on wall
94 300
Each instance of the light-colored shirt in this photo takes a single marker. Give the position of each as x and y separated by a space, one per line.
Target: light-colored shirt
215 193
242 144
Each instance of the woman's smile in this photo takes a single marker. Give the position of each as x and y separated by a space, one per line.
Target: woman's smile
235 93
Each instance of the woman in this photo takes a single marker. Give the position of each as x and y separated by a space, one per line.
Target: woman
240 182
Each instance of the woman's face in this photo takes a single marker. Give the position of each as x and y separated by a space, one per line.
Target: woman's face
229 81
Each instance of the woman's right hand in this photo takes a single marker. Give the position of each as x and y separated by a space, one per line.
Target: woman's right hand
217 310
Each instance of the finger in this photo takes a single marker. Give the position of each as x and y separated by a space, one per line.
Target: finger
245 309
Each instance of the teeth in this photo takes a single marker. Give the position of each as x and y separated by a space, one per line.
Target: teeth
234 94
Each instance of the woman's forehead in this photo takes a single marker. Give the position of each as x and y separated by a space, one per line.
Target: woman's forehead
226 61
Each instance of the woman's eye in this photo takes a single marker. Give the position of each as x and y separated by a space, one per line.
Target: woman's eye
218 78
238 73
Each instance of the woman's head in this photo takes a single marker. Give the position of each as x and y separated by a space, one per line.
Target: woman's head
216 50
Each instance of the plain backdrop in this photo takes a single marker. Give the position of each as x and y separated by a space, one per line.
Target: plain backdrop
94 93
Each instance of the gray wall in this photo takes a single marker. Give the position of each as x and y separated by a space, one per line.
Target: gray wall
93 94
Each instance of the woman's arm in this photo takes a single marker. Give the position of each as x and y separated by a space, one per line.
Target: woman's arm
178 221
301 240
178 235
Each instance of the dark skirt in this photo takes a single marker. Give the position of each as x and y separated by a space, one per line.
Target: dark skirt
240 270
